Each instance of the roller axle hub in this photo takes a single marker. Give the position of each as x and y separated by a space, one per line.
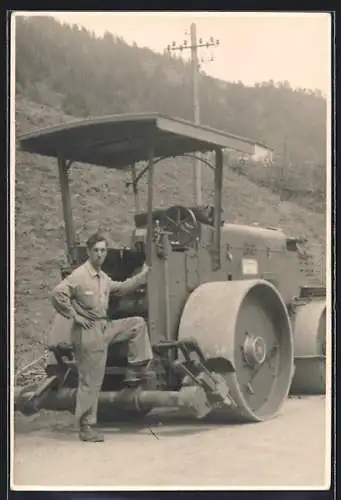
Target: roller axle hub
254 350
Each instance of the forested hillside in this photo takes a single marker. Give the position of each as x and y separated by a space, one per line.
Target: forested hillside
84 75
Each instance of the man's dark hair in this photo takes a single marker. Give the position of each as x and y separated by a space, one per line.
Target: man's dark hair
95 238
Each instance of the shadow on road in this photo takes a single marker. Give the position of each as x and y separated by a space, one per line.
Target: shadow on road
164 425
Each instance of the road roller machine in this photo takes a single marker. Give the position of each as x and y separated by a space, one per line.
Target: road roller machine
234 328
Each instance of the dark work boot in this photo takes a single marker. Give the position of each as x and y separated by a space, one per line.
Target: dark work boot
135 374
87 433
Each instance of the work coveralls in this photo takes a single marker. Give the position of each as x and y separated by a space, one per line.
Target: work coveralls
86 290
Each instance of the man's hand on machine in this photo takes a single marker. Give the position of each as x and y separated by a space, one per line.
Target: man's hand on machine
145 269
143 275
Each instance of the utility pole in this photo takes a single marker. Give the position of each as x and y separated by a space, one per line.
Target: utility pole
197 167
193 46
284 166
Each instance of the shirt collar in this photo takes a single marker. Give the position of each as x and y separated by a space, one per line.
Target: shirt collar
91 270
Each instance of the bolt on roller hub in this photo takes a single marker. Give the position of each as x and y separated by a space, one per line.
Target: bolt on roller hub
310 349
244 324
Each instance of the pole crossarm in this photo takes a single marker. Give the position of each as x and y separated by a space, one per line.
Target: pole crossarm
193 45
189 46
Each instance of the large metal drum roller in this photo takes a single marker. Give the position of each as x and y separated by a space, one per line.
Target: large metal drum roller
310 348
244 324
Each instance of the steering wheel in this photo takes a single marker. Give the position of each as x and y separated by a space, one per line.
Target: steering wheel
181 224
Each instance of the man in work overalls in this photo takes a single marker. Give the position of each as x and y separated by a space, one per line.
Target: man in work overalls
84 297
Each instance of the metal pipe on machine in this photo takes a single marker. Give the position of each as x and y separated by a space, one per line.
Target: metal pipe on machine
192 399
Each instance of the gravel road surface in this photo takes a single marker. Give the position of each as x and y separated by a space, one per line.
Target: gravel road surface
160 452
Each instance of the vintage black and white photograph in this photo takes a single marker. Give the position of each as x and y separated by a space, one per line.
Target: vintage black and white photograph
171 250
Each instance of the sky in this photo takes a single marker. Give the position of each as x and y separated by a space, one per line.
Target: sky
253 47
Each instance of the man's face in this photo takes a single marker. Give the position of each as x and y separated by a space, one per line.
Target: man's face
98 253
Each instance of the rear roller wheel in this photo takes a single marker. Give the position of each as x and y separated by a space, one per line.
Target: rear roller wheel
247 324
310 349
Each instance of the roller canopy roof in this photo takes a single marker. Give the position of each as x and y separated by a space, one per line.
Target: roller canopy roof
119 140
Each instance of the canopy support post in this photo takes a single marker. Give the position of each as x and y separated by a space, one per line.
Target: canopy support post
150 205
218 182
63 168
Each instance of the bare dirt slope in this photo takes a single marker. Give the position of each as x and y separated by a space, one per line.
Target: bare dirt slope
101 198
289 451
